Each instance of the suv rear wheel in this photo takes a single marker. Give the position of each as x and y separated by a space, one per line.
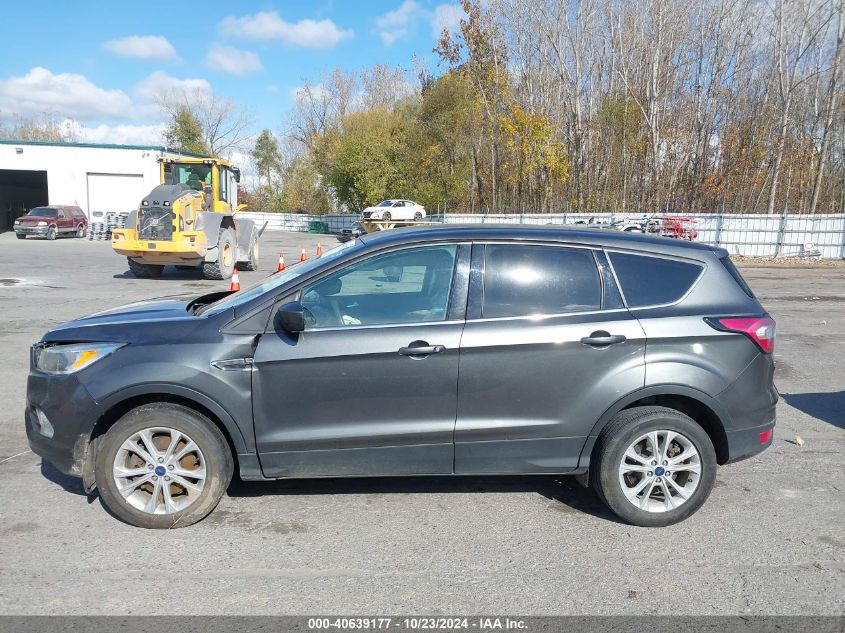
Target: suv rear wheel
163 465
654 466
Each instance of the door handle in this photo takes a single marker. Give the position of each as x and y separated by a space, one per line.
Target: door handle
600 338
421 350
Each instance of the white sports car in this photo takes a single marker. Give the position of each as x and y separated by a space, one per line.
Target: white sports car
394 210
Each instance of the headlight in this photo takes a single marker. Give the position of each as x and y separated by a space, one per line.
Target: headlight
67 359
42 223
17 221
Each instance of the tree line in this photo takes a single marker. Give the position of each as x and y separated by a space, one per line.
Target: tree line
732 106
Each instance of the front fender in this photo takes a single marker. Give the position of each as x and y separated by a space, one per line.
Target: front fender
146 389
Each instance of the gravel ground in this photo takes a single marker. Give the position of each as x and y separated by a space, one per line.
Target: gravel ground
769 540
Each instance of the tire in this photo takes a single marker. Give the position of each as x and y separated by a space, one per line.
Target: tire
51 233
20 236
625 431
80 230
252 262
386 216
144 271
418 216
224 265
173 506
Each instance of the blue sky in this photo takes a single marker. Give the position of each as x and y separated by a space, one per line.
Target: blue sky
100 63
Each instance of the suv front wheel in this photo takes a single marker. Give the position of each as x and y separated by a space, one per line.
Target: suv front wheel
654 466
162 465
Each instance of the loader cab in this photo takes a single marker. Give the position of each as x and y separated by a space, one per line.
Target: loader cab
216 178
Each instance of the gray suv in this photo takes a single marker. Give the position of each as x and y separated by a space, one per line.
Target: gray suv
640 363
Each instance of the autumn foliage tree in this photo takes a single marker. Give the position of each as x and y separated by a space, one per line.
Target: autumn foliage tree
587 106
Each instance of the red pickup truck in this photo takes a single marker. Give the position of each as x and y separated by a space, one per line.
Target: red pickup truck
52 221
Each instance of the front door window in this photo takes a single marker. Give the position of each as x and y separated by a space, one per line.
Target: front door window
407 286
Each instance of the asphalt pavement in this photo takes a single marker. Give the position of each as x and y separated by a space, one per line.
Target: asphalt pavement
770 540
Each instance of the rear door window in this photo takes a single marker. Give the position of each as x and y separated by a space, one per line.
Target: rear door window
649 281
526 280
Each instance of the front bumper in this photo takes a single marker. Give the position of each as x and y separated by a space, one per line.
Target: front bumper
72 413
31 230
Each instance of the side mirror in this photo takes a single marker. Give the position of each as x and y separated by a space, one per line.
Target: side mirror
291 317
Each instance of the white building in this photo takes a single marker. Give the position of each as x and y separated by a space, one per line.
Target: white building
97 178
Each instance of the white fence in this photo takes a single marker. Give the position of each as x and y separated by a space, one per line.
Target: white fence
740 234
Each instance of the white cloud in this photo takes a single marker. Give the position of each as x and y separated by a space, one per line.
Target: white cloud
233 60
119 134
67 94
393 25
398 17
446 16
388 37
159 83
269 25
316 92
142 47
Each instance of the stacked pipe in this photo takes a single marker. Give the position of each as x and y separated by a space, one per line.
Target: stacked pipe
101 231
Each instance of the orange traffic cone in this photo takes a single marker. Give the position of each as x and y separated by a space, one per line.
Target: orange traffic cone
235 285
281 265
303 256
319 249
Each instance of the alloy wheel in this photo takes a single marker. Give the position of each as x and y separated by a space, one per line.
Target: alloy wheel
159 470
660 471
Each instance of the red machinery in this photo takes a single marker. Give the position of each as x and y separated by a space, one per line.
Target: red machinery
679 227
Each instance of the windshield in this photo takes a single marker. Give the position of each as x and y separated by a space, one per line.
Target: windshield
195 176
42 212
274 281
385 203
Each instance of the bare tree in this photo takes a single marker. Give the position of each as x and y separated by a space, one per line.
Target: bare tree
833 90
225 125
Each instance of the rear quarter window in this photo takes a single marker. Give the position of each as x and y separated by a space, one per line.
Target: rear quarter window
648 281
729 265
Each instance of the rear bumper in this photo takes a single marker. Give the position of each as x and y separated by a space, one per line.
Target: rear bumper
750 403
177 251
746 443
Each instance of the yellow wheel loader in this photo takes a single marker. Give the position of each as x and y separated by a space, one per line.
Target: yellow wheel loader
189 221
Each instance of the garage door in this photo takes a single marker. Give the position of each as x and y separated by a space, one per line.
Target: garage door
114 192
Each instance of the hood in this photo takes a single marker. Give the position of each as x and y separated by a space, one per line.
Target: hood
166 318
32 219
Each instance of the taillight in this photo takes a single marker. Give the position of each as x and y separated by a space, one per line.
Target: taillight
761 330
